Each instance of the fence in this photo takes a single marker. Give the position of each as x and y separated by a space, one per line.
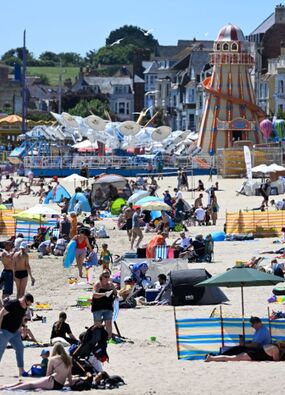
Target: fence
261 224
92 161
10 226
230 161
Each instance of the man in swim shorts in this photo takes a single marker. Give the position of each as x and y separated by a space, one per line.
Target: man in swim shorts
22 269
7 275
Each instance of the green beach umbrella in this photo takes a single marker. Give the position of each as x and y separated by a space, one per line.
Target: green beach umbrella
24 216
241 277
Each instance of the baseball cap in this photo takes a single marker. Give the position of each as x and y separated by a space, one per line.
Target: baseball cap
44 351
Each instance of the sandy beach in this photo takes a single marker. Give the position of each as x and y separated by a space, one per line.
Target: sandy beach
152 367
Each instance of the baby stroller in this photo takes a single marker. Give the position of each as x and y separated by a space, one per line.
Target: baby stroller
93 343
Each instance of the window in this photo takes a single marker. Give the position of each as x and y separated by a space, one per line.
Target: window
234 47
121 108
225 47
127 108
174 101
218 47
200 101
281 86
191 96
151 79
191 121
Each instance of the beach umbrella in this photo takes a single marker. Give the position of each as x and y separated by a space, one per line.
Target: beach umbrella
275 167
148 199
75 178
23 216
266 128
260 169
155 206
137 196
42 209
241 277
109 179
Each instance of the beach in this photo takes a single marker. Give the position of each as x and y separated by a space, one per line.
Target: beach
152 367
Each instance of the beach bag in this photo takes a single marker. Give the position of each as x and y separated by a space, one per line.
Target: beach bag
82 384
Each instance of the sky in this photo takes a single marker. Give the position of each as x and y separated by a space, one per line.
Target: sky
83 25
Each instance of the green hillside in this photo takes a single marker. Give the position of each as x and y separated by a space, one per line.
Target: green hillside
53 73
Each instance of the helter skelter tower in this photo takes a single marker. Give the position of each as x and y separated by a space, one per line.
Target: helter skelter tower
230 111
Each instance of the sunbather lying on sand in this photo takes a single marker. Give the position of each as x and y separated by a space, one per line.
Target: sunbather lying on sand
270 352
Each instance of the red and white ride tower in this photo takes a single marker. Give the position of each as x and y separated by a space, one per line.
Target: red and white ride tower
230 111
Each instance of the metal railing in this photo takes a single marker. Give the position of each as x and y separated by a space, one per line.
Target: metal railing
77 161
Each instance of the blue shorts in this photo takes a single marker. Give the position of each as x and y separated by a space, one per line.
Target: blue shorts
103 315
8 281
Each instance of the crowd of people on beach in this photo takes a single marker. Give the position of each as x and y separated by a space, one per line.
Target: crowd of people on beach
74 226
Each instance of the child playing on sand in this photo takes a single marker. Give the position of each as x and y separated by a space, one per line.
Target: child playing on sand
41 368
105 257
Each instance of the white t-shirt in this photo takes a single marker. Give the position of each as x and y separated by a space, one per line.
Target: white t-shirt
178 196
184 243
200 214
18 242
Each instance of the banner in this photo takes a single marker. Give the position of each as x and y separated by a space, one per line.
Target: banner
247 159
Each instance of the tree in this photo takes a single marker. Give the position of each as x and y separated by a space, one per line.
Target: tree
49 59
87 107
114 55
90 57
70 59
15 56
132 35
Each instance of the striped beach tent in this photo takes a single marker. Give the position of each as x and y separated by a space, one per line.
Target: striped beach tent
197 337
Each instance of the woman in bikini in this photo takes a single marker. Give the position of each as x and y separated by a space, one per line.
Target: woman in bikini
82 243
59 369
22 270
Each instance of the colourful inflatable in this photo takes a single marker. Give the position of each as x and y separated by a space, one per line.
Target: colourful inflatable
69 254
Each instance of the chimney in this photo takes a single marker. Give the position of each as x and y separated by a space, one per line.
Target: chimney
280 14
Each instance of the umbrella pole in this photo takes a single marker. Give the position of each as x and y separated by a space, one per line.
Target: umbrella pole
242 312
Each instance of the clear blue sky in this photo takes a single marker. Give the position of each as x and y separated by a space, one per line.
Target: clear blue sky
79 26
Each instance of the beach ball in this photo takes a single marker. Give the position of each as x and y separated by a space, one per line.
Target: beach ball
266 128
